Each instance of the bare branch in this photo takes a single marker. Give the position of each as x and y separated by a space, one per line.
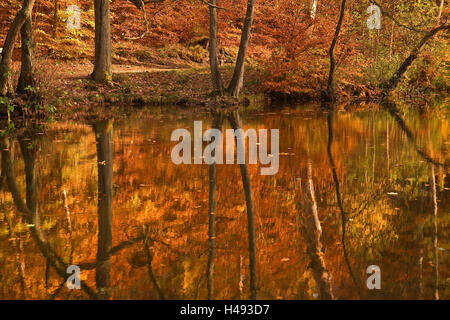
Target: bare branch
390 16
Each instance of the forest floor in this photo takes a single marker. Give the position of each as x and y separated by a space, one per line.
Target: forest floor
68 86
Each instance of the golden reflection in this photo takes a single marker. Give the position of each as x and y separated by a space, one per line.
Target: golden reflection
107 197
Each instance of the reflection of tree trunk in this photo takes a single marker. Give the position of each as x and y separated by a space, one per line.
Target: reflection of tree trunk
16 242
338 196
241 277
217 124
8 46
105 153
312 232
387 149
435 236
214 64
29 158
395 113
420 260
236 124
149 254
32 217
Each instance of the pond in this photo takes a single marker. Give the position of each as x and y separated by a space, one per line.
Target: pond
106 197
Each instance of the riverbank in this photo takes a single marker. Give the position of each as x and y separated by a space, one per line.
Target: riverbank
66 90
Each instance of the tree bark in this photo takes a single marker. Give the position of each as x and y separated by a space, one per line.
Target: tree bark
102 62
55 18
392 83
330 94
105 153
26 78
8 46
213 60
441 8
238 76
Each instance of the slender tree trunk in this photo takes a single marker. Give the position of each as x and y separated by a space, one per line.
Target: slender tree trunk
392 83
238 75
330 94
441 8
26 78
102 63
8 46
312 232
55 18
236 124
105 153
391 44
213 60
313 10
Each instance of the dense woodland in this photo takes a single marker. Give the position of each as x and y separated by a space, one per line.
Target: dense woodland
307 50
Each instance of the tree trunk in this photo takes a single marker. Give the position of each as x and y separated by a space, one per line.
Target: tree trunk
441 8
105 153
55 18
313 10
236 124
213 61
102 62
238 75
8 46
330 94
312 232
26 68
392 83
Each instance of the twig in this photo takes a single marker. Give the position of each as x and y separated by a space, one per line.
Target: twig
390 16
144 13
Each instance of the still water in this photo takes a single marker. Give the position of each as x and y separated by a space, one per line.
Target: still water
105 196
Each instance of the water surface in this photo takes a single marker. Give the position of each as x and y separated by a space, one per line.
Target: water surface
145 235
